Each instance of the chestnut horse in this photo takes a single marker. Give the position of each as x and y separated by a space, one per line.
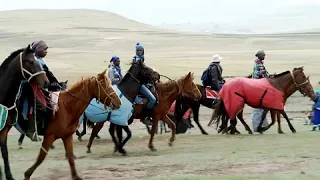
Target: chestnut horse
71 104
20 65
167 92
282 82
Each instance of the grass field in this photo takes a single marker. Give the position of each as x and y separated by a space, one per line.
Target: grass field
81 41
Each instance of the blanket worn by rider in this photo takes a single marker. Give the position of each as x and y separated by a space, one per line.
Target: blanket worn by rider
254 92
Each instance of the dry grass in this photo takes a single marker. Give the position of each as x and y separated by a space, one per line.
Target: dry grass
82 40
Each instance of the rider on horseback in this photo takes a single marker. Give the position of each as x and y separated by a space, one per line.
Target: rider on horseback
40 49
212 76
144 89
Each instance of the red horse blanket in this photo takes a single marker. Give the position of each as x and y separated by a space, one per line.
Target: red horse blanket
254 92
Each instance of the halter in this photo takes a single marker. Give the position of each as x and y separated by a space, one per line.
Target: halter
299 85
23 70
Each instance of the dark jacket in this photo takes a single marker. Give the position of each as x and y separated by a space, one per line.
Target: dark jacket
215 75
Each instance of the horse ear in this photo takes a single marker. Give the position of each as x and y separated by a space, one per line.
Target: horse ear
308 78
29 48
66 82
103 73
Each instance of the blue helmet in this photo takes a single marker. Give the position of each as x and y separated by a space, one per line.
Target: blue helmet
139 47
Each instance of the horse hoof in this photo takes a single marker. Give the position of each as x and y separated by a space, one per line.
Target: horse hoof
89 151
205 133
170 143
52 147
20 147
281 132
10 178
250 132
97 137
152 149
294 131
80 139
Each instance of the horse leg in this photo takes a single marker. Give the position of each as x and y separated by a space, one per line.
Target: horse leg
112 128
172 125
195 111
273 118
279 123
122 143
233 129
95 130
46 143
20 141
84 129
240 117
5 154
68 145
153 131
284 114
148 129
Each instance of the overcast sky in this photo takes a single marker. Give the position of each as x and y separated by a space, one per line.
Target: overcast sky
168 11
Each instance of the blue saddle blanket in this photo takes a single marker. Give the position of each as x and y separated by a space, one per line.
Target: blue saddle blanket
96 112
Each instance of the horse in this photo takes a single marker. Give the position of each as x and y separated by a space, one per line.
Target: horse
168 92
19 65
85 122
266 93
71 104
129 88
62 86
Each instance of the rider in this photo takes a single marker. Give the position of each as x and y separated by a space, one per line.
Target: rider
40 48
259 71
144 90
212 76
114 72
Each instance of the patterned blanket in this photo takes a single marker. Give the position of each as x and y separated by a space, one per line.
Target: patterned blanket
256 93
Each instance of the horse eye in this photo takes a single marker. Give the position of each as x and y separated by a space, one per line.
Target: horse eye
31 62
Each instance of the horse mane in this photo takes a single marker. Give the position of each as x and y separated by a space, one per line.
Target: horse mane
281 74
9 59
83 82
167 87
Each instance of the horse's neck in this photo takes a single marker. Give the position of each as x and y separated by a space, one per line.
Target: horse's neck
129 87
9 83
75 100
291 90
282 83
170 97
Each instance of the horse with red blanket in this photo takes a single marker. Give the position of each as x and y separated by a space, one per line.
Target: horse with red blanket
266 93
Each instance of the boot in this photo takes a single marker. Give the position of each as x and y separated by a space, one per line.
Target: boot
146 116
31 132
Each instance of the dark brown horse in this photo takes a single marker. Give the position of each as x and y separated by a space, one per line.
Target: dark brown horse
72 103
20 65
167 93
282 82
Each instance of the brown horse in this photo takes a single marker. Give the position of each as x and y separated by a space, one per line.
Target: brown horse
282 82
167 93
72 104
292 89
20 65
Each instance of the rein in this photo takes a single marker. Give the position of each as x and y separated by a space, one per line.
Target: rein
99 95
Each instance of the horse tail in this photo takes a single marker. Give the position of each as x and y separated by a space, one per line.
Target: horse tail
219 112
86 120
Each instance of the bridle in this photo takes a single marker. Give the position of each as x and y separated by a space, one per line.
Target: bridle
23 70
108 96
299 85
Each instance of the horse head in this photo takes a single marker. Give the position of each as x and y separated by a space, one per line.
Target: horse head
104 92
302 82
188 88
